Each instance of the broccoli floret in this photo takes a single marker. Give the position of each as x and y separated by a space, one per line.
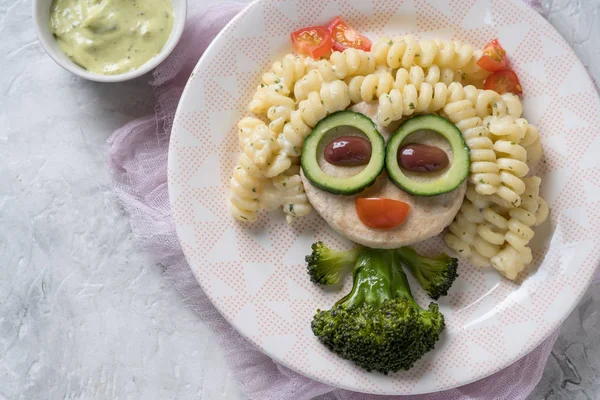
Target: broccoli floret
434 274
325 266
378 325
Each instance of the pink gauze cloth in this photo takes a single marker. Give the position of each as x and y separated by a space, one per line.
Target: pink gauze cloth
137 158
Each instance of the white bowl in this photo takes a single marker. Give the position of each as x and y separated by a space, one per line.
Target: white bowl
41 16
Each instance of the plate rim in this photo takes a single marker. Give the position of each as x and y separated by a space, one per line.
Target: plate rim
526 350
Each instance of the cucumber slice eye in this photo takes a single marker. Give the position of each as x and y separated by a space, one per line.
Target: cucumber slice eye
343 185
428 183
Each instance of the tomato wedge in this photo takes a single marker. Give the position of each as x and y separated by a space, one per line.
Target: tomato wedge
503 81
314 41
344 36
494 57
379 213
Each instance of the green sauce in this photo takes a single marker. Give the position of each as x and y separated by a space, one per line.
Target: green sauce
111 36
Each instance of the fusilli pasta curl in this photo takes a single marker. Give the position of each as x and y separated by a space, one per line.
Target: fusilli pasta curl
514 108
515 255
287 191
257 141
370 87
267 97
512 160
287 71
406 51
245 189
332 97
341 65
485 172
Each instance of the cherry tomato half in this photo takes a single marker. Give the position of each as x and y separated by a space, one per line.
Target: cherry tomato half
503 81
344 36
378 213
314 41
494 57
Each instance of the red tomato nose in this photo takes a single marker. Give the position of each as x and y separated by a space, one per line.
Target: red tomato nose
378 213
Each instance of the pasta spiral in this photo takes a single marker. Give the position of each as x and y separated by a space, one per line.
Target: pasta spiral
512 162
514 108
505 128
515 255
278 84
398 103
489 234
311 82
287 191
478 230
488 102
332 97
531 142
485 171
416 76
266 97
278 115
414 92
244 202
406 51
257 141
351 62
370 87
287 71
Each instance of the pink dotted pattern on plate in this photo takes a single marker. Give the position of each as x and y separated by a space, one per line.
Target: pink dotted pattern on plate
255 274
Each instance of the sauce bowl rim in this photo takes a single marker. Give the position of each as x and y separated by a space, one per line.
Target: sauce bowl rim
42 16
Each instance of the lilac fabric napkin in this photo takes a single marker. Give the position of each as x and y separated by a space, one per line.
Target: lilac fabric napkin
138 160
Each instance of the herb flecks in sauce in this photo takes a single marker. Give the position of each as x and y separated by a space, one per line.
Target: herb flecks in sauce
111 36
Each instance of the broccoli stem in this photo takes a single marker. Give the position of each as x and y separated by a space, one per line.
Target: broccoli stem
371 277
378 276
402 286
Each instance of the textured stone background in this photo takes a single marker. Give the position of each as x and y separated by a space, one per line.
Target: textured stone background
83 315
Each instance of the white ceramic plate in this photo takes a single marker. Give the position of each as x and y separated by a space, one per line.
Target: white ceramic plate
255 274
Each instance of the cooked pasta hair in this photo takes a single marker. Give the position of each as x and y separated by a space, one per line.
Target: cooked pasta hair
311 82
513 166
287 71
485 171
515 254
370 87
278 115
245 189
531 132
477 233
488 102
332 97
531 195
248 165
246 128
457 92
286 191
408 100
514 108
506 128
406 51
266 97
341 65
531 142
417 75
510 261
261 145
458 245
